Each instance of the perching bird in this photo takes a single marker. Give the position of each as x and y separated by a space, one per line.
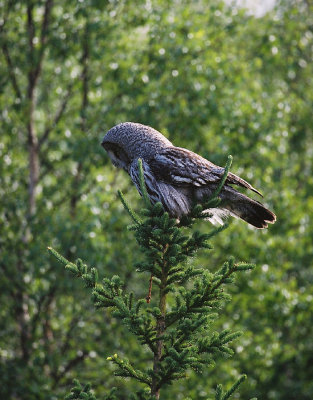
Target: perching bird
179 178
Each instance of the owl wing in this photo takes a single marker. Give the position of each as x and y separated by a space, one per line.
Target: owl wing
172 198
182 167
150 180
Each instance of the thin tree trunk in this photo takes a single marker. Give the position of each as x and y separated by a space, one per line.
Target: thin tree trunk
160 329
155 390
33 154
83 114
22 317
35 64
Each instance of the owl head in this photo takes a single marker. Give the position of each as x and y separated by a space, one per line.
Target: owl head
128 141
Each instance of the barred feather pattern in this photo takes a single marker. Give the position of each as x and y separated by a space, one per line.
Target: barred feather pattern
178 178
187 167
171 198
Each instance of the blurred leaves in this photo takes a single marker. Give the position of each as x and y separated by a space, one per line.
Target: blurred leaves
212 79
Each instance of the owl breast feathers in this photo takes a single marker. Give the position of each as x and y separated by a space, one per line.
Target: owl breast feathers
179 178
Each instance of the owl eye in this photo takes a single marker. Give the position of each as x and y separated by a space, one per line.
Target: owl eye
112 153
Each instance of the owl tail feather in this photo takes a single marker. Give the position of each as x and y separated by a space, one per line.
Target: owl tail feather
241 206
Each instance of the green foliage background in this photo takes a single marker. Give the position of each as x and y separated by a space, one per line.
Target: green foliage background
212 79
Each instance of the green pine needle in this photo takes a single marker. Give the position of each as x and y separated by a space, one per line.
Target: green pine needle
224 177
235 386
143 185
58 256
186 335
127 207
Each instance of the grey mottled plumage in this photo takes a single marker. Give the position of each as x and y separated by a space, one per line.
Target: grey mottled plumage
178 177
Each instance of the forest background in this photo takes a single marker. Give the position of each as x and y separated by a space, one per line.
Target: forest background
212 78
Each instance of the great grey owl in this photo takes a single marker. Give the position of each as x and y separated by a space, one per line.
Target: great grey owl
179 178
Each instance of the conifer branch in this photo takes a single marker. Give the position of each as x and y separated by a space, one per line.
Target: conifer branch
148 298
200 211
127 207
110 294
224 177
142 184
126 370
80 392
220 395
84 392
179 338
